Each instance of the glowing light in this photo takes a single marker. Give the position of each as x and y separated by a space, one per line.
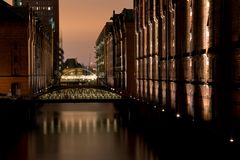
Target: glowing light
191 12
208 4
155 107
178 115
79 77
163 110
190 36
231 140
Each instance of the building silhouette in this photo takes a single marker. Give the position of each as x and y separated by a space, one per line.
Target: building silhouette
48 12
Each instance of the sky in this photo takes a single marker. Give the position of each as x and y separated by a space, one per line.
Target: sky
81 21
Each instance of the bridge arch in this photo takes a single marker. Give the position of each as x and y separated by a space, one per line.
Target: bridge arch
79 94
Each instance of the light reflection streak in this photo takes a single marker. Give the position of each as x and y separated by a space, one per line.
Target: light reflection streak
87 126
108 125
45 127
59 126
80 126
52 126
94 122
70 123
68 126
115 125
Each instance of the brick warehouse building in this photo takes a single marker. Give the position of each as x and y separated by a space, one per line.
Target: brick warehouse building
115 52
25 51
188 56
123 50
48 12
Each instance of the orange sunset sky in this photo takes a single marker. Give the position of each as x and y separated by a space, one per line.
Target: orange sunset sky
81 21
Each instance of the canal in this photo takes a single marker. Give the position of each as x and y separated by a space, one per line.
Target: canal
70 131
103 131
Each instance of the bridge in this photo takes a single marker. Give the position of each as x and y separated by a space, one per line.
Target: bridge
78 94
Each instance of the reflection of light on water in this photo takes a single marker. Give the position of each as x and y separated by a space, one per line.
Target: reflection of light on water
72 125
66 125
59 126
52 126
87 126
44 126
103 127
78 122
94 122
80 125
142 151
115 125
108 125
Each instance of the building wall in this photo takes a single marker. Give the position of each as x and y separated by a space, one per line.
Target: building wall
25 53
123 34
187 56
48 12
13 56
109 59
104 55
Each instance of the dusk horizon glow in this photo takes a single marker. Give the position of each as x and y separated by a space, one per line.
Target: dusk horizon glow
81 22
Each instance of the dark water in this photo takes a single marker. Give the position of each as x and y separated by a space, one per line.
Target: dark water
86 131
104 131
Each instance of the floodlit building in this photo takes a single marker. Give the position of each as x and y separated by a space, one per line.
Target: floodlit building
104 55
124 55
187 56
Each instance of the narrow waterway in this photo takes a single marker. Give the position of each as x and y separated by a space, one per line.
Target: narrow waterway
103 131
86 131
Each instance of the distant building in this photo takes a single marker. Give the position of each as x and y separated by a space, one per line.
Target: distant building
74 73
104 55
48 12
124 55
25 51
71 63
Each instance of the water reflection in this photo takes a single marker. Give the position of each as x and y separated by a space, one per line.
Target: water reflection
86 131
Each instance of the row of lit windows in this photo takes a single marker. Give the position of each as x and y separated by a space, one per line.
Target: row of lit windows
46 8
